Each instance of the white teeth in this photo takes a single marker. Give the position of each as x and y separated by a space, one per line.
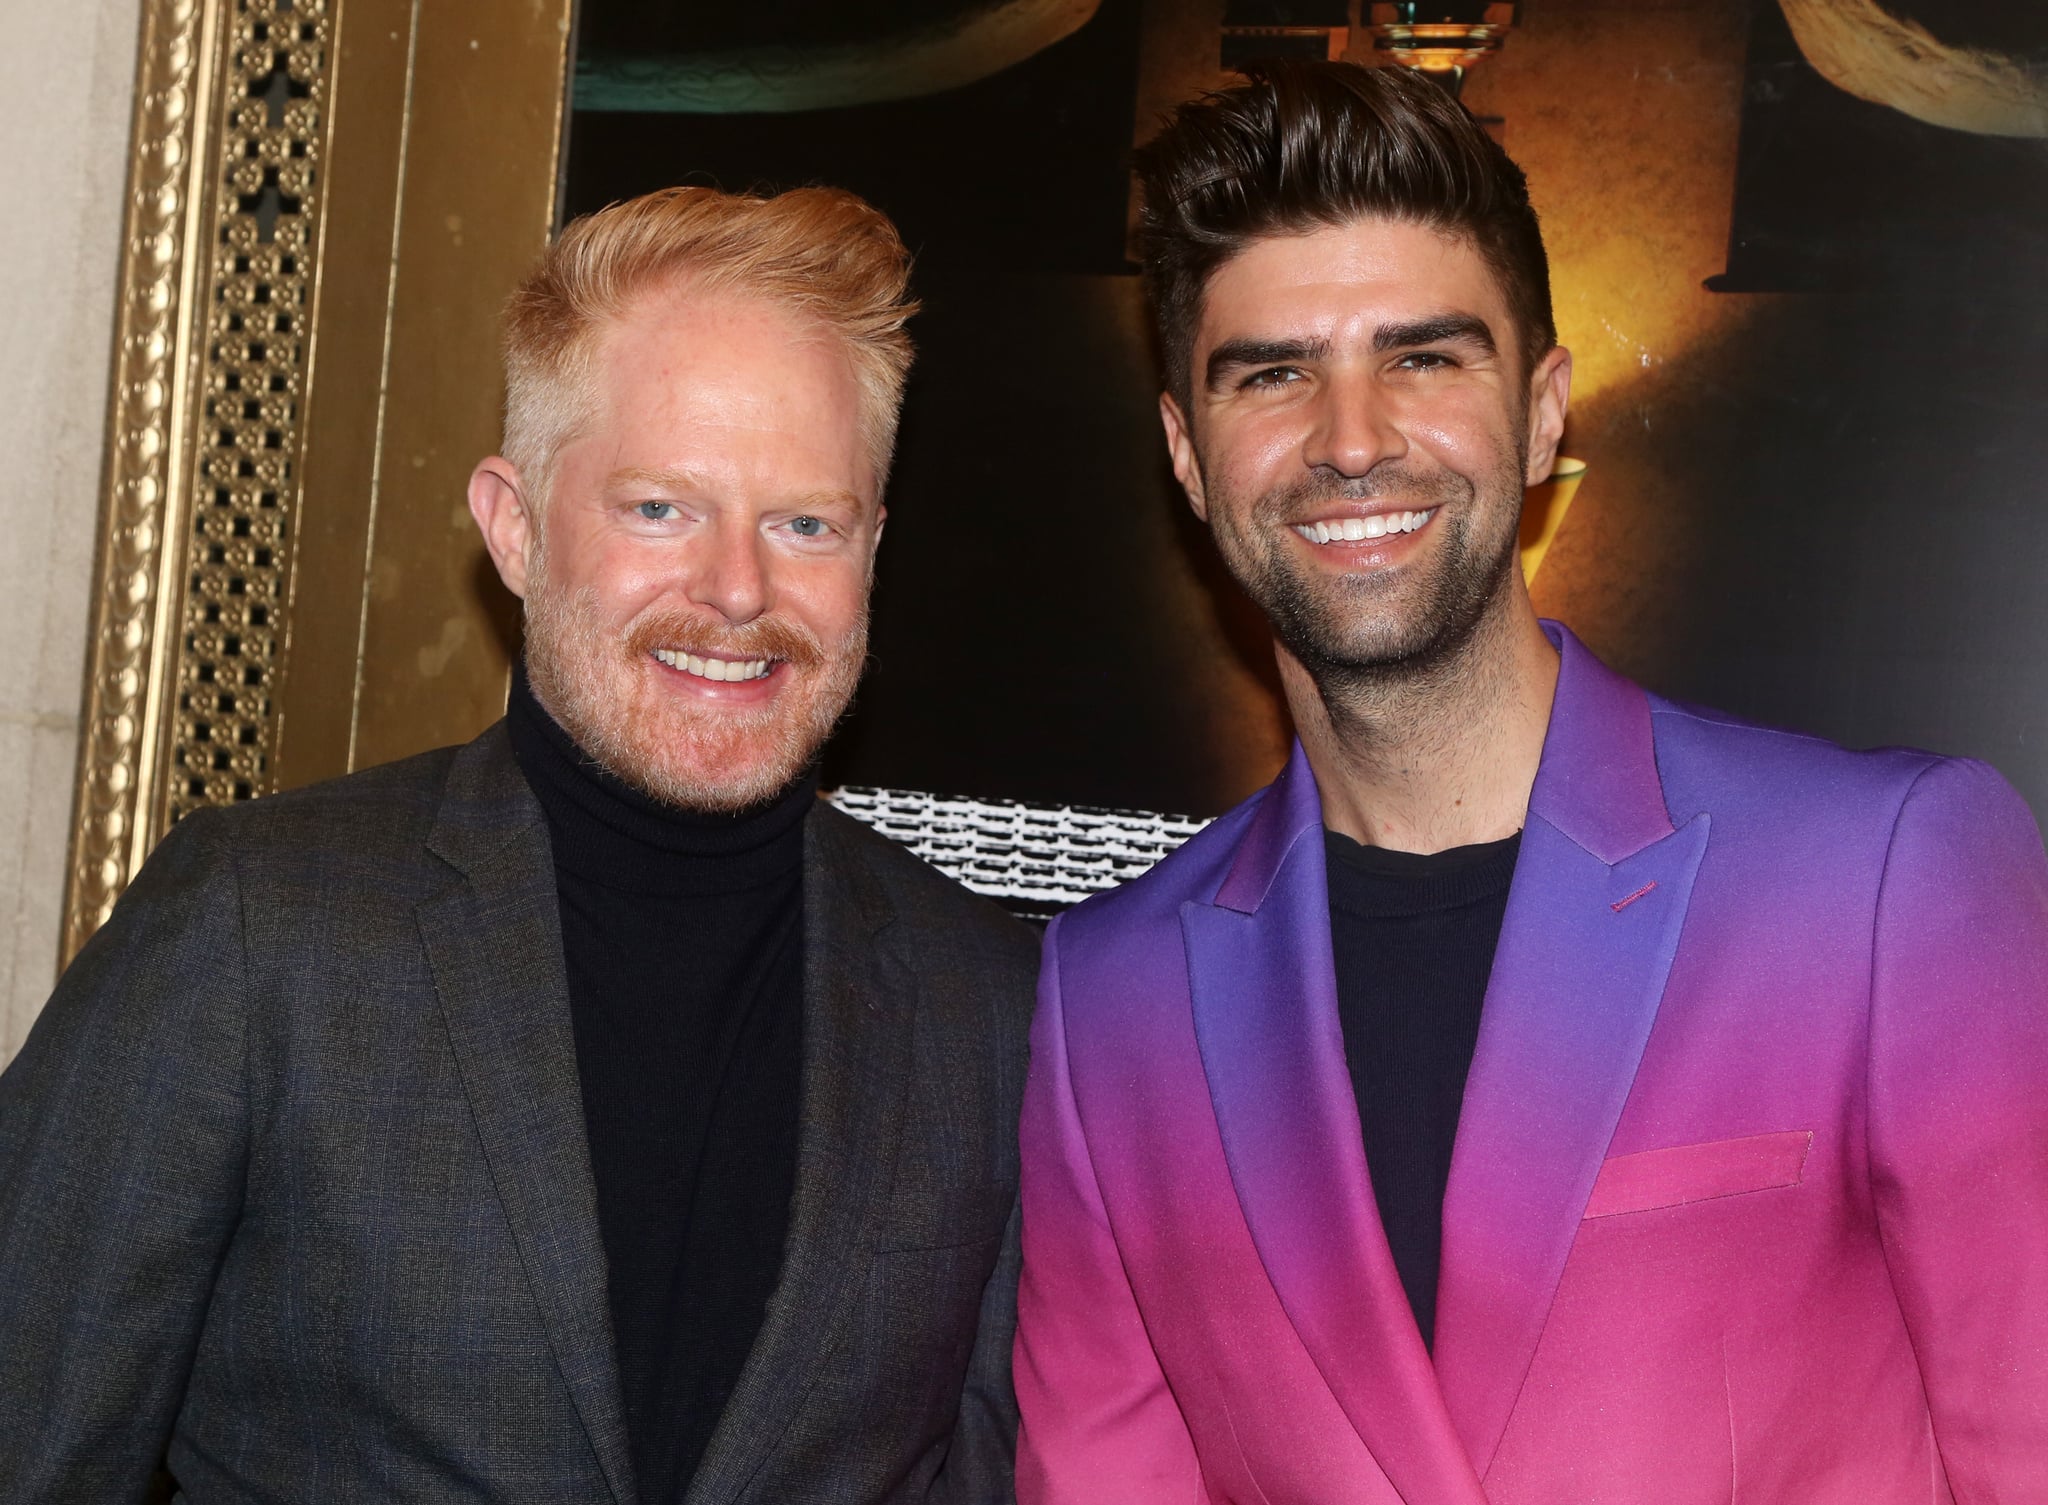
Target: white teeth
1362 529
717 670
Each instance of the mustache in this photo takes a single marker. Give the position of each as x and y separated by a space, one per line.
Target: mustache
1389 480
765 637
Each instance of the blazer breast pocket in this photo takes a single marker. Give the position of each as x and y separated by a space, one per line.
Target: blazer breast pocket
1650 1179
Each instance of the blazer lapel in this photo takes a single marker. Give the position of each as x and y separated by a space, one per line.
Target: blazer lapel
493 940
859 1005
1263 985
1593 921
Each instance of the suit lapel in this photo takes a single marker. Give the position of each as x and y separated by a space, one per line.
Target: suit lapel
1593 921
1263 985
858 1013
493 940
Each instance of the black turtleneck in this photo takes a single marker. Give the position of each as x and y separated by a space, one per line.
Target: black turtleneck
683 935
1414 936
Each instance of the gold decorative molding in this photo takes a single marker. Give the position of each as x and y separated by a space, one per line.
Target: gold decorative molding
209 365
347 184
168 167
252 360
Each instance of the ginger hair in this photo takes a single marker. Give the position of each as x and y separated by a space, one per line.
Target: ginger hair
822 253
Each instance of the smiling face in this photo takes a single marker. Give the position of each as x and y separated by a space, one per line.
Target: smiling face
1359 433
696 580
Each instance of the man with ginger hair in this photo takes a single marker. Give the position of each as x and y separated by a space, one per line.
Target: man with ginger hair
587 1113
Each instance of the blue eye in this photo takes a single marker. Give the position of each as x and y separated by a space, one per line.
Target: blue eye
656 512
808 527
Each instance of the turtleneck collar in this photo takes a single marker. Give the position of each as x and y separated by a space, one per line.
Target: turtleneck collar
607 832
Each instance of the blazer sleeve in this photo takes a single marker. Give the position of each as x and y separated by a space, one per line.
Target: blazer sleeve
122 1138
1098 1421
982 1458
1958 1128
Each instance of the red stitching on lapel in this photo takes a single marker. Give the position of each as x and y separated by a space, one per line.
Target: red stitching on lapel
1622 904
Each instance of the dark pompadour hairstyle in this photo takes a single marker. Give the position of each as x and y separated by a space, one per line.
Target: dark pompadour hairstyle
1303 145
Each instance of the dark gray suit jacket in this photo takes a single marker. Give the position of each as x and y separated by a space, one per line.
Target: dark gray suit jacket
293 1177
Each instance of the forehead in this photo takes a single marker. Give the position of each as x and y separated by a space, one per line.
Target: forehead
674 341
1366 271
686 374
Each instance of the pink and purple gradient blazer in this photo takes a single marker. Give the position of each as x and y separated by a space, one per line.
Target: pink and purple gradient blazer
1750 1195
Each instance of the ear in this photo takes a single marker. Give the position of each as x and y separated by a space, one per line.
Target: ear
1550 395
1180 448
881 522
497 500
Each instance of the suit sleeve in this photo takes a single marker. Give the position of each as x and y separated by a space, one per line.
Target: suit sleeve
1099 1422
981 1460
1959 1120
122 1134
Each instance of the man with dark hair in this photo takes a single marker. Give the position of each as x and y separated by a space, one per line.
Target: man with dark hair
1541 1092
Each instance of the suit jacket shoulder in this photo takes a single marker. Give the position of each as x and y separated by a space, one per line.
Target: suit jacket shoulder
374 827
1805 796
1708 751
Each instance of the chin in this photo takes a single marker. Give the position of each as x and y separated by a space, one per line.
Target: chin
720 771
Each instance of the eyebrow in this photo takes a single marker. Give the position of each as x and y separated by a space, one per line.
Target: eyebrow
663 478
1441 329
1235 355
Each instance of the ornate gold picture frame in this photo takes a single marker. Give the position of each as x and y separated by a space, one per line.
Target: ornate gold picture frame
327 202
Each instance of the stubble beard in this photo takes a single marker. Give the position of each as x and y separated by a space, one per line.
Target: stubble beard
1365 637
600 683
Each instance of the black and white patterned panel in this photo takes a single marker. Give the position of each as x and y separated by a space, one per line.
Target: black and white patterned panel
1035 860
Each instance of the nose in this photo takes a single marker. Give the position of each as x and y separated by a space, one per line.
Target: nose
731 577
1353 428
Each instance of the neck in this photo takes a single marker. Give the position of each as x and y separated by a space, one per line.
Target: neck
1435 757
607 830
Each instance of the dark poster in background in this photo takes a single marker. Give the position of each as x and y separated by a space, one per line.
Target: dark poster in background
1882 572
1812 360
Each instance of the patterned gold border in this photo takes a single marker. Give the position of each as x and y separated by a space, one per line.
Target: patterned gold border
142 503
245 567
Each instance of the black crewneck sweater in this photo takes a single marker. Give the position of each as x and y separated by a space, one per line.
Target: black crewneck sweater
1414 937
683 936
